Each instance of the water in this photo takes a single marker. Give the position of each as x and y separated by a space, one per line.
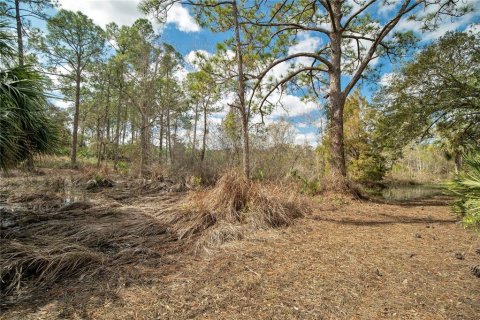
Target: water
410 192
67 193
71 193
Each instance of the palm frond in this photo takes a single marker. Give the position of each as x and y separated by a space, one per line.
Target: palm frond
7 51
466 188
26 127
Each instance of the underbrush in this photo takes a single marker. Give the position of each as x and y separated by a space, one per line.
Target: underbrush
43 241
466 188
38 249
233 207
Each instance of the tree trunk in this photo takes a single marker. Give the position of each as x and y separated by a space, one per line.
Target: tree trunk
194 142
175 129
125 124
75 117
99 144
338 172
143 142
160 138
107 112
132 128
18 18
205 132
107 122
458 162
29 162
117 128
169 141
241 94
335 134
246 147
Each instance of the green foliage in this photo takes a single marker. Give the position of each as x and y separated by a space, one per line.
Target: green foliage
307 186
466 187
435 96
7 53
85 152
26 127
230 126
368 167
363 148
63 151
196 181
422 163
72 35
259 175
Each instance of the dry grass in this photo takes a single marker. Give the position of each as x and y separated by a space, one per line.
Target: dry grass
234 206
39 248
360 260
42 263
120 260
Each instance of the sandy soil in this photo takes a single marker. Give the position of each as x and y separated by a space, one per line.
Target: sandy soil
354 260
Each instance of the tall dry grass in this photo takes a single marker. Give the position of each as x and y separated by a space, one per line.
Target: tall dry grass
232 207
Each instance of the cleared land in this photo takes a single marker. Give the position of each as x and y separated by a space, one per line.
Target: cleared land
347 259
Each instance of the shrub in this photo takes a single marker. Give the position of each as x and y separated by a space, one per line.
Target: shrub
466 188
368 167
26 128
307 186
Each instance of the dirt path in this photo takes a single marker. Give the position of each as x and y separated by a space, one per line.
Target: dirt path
357 261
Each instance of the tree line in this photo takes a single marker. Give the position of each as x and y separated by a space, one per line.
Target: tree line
128 93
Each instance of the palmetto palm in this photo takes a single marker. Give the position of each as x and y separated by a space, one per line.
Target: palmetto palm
466 186
25 128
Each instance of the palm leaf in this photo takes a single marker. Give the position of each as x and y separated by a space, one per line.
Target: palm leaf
466 188
26 127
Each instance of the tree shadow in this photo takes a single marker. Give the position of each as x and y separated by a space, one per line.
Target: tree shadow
390 219
429 201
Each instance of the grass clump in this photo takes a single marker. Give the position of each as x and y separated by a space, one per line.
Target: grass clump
232 206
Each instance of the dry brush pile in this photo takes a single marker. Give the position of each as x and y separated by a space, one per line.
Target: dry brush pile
232 208
80 240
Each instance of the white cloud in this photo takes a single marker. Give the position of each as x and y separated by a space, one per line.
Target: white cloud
474 27
309 138
445 27
386 78
385 9
125 12
181 74
355 4
362 46
62 103
195 56
216 120
180 17
307 43
449 24
102 12
292 106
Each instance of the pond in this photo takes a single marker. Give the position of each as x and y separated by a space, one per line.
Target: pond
71 193
411 192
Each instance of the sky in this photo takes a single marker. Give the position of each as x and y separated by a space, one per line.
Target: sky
187 36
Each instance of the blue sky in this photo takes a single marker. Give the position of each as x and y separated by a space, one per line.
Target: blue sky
187 36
